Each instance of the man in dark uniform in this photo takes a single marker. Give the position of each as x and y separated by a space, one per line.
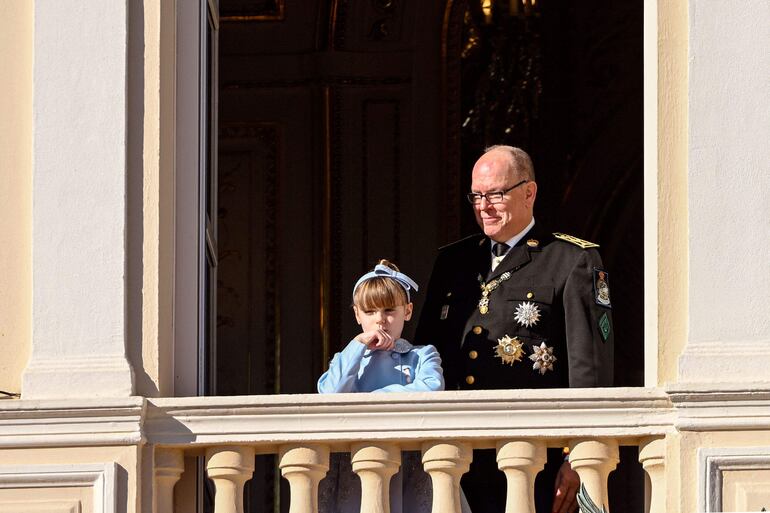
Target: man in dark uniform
518 307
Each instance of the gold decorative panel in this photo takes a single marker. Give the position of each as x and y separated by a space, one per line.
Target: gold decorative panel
251 10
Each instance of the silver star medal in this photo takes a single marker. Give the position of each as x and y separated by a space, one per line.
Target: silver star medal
509 349
543 358
527 314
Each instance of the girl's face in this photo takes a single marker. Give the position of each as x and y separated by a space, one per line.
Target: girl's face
391 320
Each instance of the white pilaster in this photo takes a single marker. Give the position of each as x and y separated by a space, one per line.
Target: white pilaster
728 181
79 201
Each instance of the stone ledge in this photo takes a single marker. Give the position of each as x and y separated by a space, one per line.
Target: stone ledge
721 406
483 417
480 417
75 422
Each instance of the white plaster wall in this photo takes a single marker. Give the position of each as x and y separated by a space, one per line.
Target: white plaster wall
78 214
79 173
729 190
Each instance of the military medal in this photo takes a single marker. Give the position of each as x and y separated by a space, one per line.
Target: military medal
602 287
605 327
527 314
487 288
543 358
509 349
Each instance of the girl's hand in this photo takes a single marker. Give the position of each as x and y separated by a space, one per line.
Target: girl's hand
377 340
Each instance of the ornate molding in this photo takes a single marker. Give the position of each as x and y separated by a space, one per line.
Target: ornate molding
66 423
484 416
265 10
263 140
451 42
328 80
337 24
102 477
713 462
248 130
721 406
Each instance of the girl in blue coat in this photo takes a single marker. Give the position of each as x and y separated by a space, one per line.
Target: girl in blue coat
379 360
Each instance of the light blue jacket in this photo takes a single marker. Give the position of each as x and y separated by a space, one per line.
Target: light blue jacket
357 369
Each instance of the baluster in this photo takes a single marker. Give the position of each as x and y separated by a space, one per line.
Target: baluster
652 456
446 462
304 466
375 465
521 461
169 466
229 467
593 460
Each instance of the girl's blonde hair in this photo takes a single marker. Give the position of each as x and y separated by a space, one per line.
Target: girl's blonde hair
380 292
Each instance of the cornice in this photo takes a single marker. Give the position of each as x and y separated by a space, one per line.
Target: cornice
480 417
74 422
721 406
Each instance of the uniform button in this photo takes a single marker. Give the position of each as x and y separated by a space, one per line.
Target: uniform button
394 356
530 295
477 330
470 379
473 355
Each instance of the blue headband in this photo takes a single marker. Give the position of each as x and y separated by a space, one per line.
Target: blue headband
383 271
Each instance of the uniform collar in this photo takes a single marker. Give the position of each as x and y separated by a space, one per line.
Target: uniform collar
516 238
519 254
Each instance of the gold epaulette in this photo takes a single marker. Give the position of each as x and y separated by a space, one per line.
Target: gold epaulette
574 240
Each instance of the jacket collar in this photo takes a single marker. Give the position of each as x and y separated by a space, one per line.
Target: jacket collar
518 256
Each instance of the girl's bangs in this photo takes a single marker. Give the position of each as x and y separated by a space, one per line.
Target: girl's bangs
379 293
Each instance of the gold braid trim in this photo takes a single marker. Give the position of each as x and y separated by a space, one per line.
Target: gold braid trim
574 240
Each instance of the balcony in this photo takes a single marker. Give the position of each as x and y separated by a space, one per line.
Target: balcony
446 426
130 451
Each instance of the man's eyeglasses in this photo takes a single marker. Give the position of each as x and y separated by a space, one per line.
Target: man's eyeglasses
492 197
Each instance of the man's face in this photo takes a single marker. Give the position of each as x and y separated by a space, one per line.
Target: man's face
503 220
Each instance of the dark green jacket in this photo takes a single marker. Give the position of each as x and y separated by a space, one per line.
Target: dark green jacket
558 277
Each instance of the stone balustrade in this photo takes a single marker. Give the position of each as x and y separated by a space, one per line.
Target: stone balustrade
302 430
162 447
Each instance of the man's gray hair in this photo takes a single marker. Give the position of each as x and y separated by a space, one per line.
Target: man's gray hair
521 163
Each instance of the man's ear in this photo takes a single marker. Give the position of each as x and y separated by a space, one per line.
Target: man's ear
531 193
408 311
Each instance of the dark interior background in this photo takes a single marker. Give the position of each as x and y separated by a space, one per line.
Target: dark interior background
347 132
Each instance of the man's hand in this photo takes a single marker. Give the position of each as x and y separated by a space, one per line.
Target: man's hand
565 490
